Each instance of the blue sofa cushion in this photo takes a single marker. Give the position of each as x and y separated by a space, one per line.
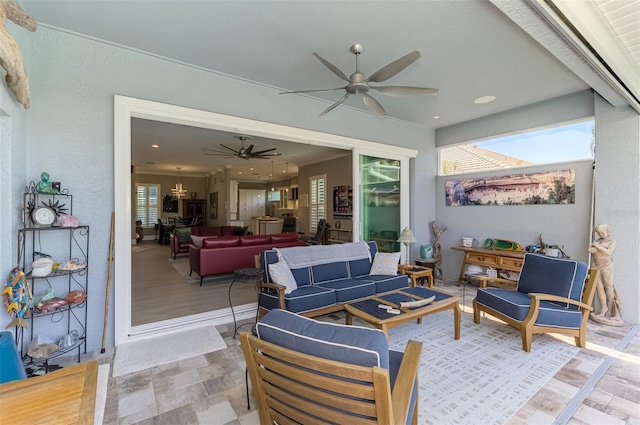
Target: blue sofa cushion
387 283
516 305
350 289
550 275
359 267
329 271
303 299
348 344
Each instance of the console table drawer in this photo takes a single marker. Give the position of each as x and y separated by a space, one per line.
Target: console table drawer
514 264
483 260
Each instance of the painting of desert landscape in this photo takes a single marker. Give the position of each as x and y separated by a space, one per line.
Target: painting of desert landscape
553 187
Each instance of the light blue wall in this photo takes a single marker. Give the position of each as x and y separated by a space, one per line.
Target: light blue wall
73 81
69 133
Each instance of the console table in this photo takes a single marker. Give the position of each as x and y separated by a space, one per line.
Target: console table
488 257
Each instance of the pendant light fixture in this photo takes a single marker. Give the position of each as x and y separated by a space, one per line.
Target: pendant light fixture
286 174
271 178
179 191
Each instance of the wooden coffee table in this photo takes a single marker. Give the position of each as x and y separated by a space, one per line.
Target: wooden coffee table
368 310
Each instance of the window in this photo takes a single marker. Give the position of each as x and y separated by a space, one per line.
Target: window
147 203
572 142
317 203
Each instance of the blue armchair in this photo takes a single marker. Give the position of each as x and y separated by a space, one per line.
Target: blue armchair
305 371
553 295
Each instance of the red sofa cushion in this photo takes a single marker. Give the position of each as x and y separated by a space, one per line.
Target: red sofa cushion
283 237
227 230
255 240
206 231
221 242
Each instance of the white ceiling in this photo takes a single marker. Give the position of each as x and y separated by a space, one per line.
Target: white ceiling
469 49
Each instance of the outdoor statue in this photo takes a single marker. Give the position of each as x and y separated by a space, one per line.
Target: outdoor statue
44 185
437 252
10 56
601 250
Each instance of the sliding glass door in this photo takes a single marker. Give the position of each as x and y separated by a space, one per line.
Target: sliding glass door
380 201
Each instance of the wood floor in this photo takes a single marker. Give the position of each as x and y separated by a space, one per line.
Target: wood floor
160 292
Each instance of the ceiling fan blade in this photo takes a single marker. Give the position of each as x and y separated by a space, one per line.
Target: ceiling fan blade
248 150
267 155
226 155
373 104
212 150
331 67
313 91
232 150
405 90
261 152
394 67
330 108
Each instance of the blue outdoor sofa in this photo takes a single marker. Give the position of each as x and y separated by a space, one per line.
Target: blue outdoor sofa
326 287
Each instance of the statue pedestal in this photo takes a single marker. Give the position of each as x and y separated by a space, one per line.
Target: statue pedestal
606 320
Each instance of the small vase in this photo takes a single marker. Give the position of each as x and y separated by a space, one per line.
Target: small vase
426 251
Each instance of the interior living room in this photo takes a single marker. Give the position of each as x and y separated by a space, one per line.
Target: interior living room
485 69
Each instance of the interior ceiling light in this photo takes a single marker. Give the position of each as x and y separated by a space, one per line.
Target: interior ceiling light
484 99
179 191
155 146
271 177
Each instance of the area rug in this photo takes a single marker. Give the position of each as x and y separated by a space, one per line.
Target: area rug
158 350
484 377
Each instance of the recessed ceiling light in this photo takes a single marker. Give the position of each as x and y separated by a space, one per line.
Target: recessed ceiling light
155 146
239 172
251 168
484 99
436 117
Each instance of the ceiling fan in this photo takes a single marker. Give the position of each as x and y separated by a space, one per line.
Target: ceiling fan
244 153
359 82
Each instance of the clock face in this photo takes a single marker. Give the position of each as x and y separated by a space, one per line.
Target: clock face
43 216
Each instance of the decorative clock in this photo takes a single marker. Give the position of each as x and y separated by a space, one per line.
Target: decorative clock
43 216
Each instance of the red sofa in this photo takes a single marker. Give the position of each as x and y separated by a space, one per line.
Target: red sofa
213 230
225 254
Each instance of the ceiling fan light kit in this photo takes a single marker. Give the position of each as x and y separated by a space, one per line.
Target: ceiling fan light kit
359 82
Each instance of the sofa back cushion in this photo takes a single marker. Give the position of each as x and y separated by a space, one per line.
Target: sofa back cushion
283 237
330 271
550 275
255 240
348 344
221 242
227 231
302 276
362 267
206 231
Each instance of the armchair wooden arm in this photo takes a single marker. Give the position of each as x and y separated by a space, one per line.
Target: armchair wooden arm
285 381
279 288
403 387
537 297
485 280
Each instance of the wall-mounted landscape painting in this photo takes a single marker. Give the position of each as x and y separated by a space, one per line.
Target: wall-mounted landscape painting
552 187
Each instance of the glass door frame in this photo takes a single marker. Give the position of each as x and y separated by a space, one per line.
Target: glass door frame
404 157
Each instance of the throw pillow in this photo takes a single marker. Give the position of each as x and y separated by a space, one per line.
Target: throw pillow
239 230
281 274
385 263
183 235
197 240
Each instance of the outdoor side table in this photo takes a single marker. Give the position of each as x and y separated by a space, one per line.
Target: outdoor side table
244 275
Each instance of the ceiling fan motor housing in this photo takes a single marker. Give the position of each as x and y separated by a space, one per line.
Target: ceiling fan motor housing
358 84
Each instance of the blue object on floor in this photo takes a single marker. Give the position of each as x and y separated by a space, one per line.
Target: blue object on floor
12 368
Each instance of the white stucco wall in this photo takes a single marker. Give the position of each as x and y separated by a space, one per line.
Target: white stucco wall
618 197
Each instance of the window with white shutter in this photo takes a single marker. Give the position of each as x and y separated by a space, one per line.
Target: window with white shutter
148 203
317 201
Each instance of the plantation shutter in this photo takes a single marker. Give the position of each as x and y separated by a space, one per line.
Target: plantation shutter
317 206
147 203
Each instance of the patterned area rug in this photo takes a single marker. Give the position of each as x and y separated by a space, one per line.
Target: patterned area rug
484 377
